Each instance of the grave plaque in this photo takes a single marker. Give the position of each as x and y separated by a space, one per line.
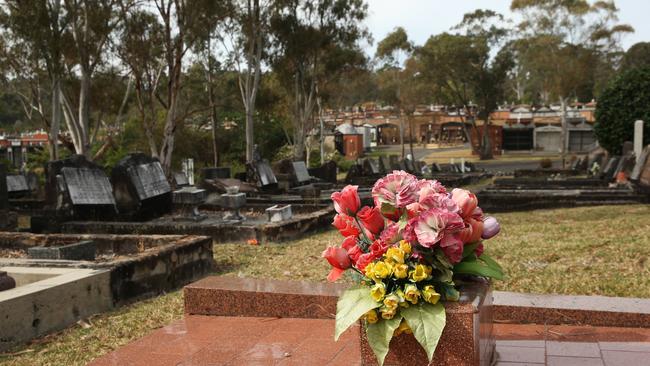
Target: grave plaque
149 180
640 163
87 186
300 169
17 183
265 174
181 180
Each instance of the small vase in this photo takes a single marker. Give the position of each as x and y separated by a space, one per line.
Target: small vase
6 282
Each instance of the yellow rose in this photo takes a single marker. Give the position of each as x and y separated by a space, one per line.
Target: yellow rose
369 270
395 254
403 328
411 293
391 301
430 295
420 273
387 313
378 291
402 301
400 271
405 246
371 317
382 270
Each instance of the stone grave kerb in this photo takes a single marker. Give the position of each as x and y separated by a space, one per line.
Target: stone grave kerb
141 187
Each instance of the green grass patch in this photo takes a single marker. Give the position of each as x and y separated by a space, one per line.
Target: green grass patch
601 250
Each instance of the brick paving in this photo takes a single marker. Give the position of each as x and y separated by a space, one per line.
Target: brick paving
213 340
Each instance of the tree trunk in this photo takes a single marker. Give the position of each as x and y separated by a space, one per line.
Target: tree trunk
410 119
250 143
486 145
564 134
84 114
401 134
55 126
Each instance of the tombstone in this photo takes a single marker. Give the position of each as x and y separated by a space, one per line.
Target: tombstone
384 164
625 164
53 176
394 162
86 192
355 171
189 198
610 168
326 172
233 201
180 180
644 178
470 167
32 182
188 170
301 172
628 147
4 196
141 187
370 167
215 173
435 168
261 174
17 186
640 163
279 213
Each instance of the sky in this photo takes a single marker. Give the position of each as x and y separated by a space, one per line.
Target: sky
422 18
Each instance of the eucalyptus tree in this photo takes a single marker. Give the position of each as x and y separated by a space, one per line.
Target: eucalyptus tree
312 44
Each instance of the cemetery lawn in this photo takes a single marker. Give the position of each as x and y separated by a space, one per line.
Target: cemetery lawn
587 251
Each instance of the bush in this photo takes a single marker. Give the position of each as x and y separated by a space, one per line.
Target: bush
624 101
546 163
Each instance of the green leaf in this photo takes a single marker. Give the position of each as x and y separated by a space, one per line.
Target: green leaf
478 268
352 304
427 322
380 334
469 249
490 262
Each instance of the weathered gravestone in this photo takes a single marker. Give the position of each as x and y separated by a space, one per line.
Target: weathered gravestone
640 164
141 187
301 172
370 167
394 162
261 174
384 165
625 164
17 186
215 173
326 172
180 180
610 168
79 187
435 168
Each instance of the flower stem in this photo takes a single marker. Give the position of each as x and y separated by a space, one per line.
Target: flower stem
361 228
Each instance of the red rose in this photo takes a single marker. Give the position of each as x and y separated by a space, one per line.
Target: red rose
347 201
377 248
364 260
346 226
371 218
339 260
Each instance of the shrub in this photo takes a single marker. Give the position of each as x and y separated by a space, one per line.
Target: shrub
546 163
625 100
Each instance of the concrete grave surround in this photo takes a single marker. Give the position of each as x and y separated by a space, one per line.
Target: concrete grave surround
88 186
50 299
279 213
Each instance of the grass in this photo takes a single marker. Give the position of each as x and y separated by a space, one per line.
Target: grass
601 250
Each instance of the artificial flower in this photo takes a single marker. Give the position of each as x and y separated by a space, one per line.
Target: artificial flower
371 316
420 273
371 219
436 225
465 200
405 246
347 202
395 255
339 260
403 329
382 269
346 225
411 293
430 295
378 291
491 227
394 192
400 271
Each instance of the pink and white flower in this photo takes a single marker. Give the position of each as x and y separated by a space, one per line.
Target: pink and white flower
438 227
398 189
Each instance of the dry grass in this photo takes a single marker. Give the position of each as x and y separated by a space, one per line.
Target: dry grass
597 250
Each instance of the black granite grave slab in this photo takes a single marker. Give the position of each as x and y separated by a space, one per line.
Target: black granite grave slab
141 188
262 175
4 197
326 172
384 164
301 172
370 167
609 171
87 186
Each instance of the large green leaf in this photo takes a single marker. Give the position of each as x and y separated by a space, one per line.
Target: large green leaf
427 322
469 249
490 262
478 268
351 306
379 336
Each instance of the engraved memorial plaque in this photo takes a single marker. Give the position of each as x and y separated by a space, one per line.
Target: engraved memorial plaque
17 183
149 180
302 174
88 186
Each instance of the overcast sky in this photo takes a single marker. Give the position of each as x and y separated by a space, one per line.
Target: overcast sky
422 18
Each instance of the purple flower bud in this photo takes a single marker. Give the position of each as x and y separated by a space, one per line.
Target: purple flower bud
491 227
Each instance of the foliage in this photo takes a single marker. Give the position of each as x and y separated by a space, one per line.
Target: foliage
624 101
636 56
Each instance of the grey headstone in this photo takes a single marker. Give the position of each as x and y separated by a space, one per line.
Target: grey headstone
625 164
300 169
640 163
180 179
149 180
81 251
610 168
435 168
384 164
87 186
17 183
371 167
265 174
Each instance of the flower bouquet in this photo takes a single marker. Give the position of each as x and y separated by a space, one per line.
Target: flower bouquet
406 251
